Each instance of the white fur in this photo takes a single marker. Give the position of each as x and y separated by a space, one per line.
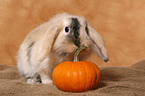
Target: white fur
46 46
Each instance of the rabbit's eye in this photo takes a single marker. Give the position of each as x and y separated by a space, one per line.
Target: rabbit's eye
67 29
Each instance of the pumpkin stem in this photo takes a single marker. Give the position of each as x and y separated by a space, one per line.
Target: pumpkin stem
78 52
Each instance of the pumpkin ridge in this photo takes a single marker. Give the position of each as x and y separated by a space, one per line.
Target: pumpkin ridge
90 76
84 76
69 68
71 74
92 71
65 79
95 77
61 83
98 74
76 76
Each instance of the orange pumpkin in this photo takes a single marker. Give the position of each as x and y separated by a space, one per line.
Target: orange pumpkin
76 76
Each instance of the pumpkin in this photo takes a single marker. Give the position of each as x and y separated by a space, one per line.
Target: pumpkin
76 76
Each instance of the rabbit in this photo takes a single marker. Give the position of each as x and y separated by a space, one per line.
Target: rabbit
54 42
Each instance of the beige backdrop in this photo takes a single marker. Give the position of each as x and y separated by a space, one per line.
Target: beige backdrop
120 22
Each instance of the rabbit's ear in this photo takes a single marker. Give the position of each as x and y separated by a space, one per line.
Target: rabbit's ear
47 41
98 44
